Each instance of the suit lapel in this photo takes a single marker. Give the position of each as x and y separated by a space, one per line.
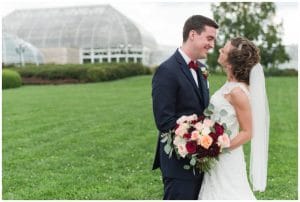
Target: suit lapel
204 88
188 75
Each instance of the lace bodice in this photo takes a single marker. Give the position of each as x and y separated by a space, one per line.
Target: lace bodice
221 103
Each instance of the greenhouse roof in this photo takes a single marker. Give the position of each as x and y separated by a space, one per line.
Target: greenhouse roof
99 26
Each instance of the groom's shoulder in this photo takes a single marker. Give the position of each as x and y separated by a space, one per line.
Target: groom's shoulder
169 63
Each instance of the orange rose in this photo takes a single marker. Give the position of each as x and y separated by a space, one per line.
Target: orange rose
206 141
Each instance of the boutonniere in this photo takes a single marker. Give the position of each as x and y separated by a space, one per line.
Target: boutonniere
204 72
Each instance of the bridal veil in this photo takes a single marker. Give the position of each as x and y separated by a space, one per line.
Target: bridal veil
260 131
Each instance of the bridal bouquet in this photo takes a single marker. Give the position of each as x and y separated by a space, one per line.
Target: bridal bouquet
198 139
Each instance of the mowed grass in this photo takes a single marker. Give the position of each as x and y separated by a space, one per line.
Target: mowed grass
97 141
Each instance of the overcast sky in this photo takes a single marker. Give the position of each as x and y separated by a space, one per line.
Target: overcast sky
164 19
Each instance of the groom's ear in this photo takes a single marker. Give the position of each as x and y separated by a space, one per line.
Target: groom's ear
192 34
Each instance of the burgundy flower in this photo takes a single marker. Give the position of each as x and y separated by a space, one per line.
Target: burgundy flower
202 152
191 147
214 136
214 150
187 136
191 129
194 122
219 129
201 118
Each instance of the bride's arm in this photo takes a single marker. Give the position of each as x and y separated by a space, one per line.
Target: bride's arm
241 104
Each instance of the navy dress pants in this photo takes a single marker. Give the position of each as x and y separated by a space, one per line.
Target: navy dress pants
179 189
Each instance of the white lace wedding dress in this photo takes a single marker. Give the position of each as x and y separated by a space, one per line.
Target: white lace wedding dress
228 178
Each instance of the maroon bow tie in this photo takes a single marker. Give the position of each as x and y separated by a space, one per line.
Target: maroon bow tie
193 65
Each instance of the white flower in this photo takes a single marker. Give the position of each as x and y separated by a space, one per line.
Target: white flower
192 117
203 69
199 126
182 129
206 130
178 141
181 120
185 118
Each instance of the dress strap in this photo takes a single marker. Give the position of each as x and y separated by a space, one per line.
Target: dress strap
231 85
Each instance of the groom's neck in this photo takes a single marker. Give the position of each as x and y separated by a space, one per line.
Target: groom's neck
188 51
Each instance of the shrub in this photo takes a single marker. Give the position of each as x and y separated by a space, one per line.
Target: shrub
82 73
95 74
10 79
281 72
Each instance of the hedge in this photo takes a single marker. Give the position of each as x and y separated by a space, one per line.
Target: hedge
81 73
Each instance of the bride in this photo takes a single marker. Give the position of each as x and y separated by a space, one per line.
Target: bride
243 96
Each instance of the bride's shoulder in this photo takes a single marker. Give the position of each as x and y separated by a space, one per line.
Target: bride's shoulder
239 91
239 97
236 87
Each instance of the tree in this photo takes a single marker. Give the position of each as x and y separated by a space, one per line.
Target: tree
255 21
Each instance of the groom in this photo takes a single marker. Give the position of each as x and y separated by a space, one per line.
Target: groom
179 88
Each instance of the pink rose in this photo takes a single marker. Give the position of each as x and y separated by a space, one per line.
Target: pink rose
208 122
224 141
195 135
182 150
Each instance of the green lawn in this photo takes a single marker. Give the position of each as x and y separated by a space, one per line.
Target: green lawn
97 141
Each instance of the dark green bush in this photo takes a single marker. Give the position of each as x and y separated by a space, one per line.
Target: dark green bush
281 72
84 73
10 79
95 74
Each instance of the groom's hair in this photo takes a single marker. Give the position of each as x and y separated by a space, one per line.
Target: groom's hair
197 23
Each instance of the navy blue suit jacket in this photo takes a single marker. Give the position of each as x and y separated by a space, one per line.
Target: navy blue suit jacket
175 93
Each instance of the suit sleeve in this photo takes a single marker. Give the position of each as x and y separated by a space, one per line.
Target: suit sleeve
164 88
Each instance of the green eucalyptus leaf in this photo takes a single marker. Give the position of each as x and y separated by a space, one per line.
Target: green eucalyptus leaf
228 132
223 112
211 107
187 167
169 140
207 112
225 150
164 139
167 148
193 162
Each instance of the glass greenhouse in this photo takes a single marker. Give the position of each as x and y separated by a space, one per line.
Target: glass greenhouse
18 51
91 34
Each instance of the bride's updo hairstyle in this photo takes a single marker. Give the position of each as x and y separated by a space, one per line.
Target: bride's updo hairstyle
242 58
